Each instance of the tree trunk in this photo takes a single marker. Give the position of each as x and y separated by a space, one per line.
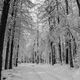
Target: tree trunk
3 27
70 52
67 55
60 54
7 54
78 3
58 19
53 53
11 53
74 48
50 58
66 1
63 56
17 48
67 51
17 56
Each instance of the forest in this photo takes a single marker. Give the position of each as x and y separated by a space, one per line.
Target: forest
39 32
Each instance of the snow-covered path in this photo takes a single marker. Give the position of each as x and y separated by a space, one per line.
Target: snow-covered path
39 72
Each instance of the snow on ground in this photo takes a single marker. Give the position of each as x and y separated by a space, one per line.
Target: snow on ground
27 71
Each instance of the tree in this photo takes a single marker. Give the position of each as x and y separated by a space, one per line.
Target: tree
66 1
78 3
4 17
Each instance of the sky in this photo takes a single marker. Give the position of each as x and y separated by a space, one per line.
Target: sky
37 1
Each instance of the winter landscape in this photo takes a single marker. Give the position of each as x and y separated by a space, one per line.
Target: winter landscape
40 39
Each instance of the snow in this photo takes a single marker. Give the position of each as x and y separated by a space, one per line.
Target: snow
76 75
27 71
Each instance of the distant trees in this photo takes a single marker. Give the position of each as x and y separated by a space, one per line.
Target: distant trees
56 13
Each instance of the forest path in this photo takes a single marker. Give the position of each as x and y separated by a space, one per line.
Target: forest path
38 72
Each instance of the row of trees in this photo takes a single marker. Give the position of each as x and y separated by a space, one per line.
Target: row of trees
9 34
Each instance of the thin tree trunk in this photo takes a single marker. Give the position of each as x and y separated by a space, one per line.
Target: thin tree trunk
63 56
18 48
70 52
67 53
66 1
2 28
60 56
74 48
53 53
58 19
11 54
17 55
7 54
50 58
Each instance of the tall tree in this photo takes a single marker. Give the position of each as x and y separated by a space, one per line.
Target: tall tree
4 17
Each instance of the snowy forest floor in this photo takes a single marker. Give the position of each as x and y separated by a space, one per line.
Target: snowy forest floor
27 71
